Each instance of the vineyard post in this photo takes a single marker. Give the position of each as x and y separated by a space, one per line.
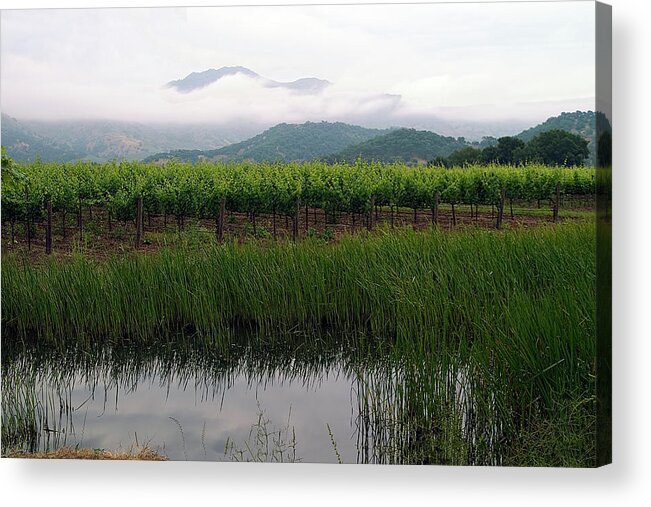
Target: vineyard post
307 214
454 216
79 219
138 222
370 213
500 209
557 201
219 229
48 230
274 219
435 209
63 224
295 222
28 221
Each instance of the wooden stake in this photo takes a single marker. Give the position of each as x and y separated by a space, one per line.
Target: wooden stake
48 229
307 214
295 223
138 222
274 221
79 219
219 225
500 209
435 209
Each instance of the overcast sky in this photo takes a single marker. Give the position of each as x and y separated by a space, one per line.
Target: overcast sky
467 61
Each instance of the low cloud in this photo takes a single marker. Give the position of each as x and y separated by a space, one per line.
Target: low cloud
231 99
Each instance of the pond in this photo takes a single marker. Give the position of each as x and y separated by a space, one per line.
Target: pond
325 403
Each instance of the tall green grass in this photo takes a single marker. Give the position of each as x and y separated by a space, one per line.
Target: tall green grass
417 287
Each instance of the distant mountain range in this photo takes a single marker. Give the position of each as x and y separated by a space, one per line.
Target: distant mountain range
23 144
100 140
198 80
342 142
105 140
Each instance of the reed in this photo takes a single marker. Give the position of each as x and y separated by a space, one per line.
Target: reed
429 288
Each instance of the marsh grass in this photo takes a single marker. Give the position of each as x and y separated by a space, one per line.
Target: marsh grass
430 287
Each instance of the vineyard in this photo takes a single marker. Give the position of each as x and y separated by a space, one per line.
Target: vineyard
277 195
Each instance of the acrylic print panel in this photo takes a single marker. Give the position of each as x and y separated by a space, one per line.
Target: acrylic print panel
340 234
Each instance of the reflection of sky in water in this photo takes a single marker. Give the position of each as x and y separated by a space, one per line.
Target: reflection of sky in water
115 418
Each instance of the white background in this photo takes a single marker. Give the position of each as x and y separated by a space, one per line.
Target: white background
626 482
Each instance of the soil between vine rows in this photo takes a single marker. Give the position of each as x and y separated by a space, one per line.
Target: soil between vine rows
98 241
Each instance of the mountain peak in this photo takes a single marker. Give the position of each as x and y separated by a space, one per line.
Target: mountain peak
197 80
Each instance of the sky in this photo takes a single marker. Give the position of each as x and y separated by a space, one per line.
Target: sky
477 62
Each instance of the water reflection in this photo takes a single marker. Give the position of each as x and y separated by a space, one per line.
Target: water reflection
320 403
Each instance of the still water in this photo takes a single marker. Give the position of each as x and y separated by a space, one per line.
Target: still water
320 405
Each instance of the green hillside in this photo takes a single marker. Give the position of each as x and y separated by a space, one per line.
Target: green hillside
284 142
406 145
582 123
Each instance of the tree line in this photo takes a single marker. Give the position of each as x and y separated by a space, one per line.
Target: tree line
555 148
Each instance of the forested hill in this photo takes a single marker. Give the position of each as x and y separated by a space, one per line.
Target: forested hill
406 145
284 142
582 123
24 145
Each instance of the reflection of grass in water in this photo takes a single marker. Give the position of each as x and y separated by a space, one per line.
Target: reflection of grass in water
178 424
334 444
265 444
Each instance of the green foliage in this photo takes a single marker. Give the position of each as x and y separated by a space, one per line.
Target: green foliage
552 147
557 147
401 145
464 156
582 123
188 190
11 176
